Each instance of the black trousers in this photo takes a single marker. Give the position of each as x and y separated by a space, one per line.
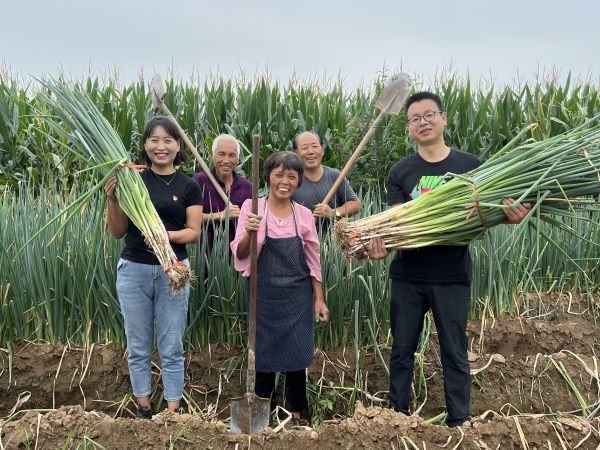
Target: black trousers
295 389
449 304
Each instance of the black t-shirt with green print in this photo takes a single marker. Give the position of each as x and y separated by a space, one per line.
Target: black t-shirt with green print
437 264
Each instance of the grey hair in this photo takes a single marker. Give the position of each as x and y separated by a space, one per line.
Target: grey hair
220 137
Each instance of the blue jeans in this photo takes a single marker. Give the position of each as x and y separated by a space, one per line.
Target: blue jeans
146 300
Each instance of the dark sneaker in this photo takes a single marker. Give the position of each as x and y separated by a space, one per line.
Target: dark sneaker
303 420
456 423
144 412
299 422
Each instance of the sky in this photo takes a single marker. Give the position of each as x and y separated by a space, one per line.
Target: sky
503 42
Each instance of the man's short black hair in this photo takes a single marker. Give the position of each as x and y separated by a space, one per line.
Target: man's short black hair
171 129
423 95
289 161
295 139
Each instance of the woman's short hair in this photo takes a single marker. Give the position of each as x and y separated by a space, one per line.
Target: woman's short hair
289 161
171 129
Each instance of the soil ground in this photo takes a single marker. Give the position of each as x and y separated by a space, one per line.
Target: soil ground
535 382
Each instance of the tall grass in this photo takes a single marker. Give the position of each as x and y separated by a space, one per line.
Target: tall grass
63 287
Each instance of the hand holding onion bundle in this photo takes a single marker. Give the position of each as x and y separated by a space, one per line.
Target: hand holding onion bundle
554 174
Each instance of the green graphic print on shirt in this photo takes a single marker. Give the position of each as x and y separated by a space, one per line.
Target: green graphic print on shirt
427 183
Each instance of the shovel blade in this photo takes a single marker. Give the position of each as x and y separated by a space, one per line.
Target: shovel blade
250 414
394 94
158 90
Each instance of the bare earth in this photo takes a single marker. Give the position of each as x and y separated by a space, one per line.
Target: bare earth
533 376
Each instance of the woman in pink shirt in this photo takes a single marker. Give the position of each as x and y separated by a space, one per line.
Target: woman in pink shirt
289 290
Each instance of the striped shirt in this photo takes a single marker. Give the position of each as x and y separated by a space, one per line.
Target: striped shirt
241 189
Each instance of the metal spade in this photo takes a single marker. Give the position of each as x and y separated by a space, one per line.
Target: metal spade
390 101
250 413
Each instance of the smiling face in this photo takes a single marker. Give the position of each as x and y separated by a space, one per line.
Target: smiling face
225 157
283 182
310 150
426 132
161 148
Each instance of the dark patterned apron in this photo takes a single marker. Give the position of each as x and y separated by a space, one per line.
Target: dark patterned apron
284 305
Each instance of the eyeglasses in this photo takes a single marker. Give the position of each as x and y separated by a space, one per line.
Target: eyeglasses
414 121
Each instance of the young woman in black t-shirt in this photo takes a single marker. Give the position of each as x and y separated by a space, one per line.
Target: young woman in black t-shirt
147 302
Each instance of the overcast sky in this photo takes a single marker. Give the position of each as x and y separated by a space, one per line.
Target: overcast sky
500 40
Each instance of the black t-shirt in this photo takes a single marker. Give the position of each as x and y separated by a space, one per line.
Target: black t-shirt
436 264
171 203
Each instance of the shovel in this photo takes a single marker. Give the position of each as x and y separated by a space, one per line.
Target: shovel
158 90
390 101
250 413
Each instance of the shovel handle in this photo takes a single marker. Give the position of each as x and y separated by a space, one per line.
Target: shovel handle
192 148
352 160
251 376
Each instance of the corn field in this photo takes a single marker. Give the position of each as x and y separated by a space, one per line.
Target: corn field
481 119
532 333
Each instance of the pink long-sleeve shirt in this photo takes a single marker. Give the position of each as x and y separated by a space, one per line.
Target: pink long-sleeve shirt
306 230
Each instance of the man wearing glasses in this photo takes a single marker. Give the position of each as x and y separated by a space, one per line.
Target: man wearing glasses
435 277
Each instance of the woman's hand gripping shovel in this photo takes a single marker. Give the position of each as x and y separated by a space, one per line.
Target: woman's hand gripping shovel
250 413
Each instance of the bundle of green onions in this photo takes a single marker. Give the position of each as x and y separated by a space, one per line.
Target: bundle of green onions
553 174
99 144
